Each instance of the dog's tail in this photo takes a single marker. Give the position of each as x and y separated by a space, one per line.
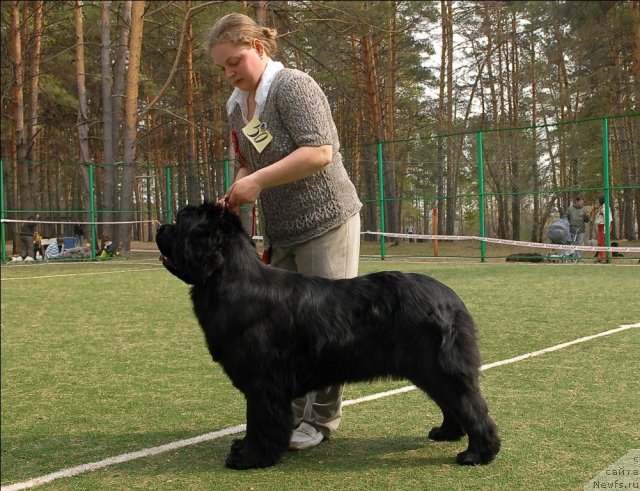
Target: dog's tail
458 349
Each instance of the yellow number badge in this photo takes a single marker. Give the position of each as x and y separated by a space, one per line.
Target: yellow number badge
257 133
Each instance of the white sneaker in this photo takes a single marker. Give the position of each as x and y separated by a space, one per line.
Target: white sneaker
305 436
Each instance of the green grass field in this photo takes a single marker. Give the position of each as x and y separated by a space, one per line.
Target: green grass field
101 359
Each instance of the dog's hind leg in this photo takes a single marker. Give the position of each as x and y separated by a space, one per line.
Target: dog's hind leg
484 442
467 411
450 429
269 420
464 411
452 381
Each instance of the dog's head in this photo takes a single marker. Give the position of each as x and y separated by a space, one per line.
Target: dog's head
194 247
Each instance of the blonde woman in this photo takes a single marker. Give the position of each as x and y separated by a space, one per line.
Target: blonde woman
287 147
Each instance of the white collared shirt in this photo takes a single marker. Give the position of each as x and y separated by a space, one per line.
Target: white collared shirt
240 96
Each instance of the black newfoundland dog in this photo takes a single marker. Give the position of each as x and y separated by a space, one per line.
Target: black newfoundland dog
279 335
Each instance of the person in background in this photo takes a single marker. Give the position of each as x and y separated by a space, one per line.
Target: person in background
577 216
103 244
27 234
410 231
37 245
108 248
600 221
78 252
287 146
54 250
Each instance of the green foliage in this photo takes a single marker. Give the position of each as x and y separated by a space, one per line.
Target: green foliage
318 37
578 60
56 101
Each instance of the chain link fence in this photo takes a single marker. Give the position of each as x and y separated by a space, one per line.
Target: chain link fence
504 185
474 195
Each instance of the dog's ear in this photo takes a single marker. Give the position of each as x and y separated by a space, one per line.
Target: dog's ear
203 245
231 221
228 218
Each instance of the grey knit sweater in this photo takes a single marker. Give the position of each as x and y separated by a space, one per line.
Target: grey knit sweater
297 114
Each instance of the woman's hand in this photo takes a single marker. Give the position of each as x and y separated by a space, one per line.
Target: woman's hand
244 190
302 162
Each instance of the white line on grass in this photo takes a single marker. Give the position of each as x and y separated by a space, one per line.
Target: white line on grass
158 268
232 430
508 361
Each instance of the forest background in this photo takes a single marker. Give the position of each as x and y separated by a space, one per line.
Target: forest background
129 88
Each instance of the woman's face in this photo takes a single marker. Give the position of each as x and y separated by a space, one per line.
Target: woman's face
242 66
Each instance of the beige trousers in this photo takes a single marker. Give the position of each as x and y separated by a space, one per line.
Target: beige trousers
335 255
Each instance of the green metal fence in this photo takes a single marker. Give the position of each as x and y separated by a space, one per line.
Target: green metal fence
504 184
494 187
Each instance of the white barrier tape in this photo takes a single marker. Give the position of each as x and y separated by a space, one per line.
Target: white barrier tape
8 220
539 245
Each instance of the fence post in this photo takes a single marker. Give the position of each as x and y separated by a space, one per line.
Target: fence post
605 179
2 231
167 174
92 210
483 244
227 178
436 252
381 200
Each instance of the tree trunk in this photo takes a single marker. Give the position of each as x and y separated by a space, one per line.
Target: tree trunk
111 197
390 121
536 230
131 118
107 196
451 166
516 200
261 12
27 74
374 122
564 105
635 64
635 68
33 153
366 185
495 168
629 172
193 184
24 190
442 125
34 82
82 122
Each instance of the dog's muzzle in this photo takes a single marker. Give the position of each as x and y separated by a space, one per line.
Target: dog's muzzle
165 260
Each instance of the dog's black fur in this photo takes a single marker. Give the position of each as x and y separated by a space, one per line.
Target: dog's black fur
279 335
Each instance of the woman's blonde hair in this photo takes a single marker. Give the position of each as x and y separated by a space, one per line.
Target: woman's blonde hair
240 30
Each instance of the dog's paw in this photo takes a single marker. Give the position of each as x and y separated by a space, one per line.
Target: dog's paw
237 444
238 462
242 457
469 457
441 434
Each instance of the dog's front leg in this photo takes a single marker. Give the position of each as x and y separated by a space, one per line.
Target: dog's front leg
269 419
